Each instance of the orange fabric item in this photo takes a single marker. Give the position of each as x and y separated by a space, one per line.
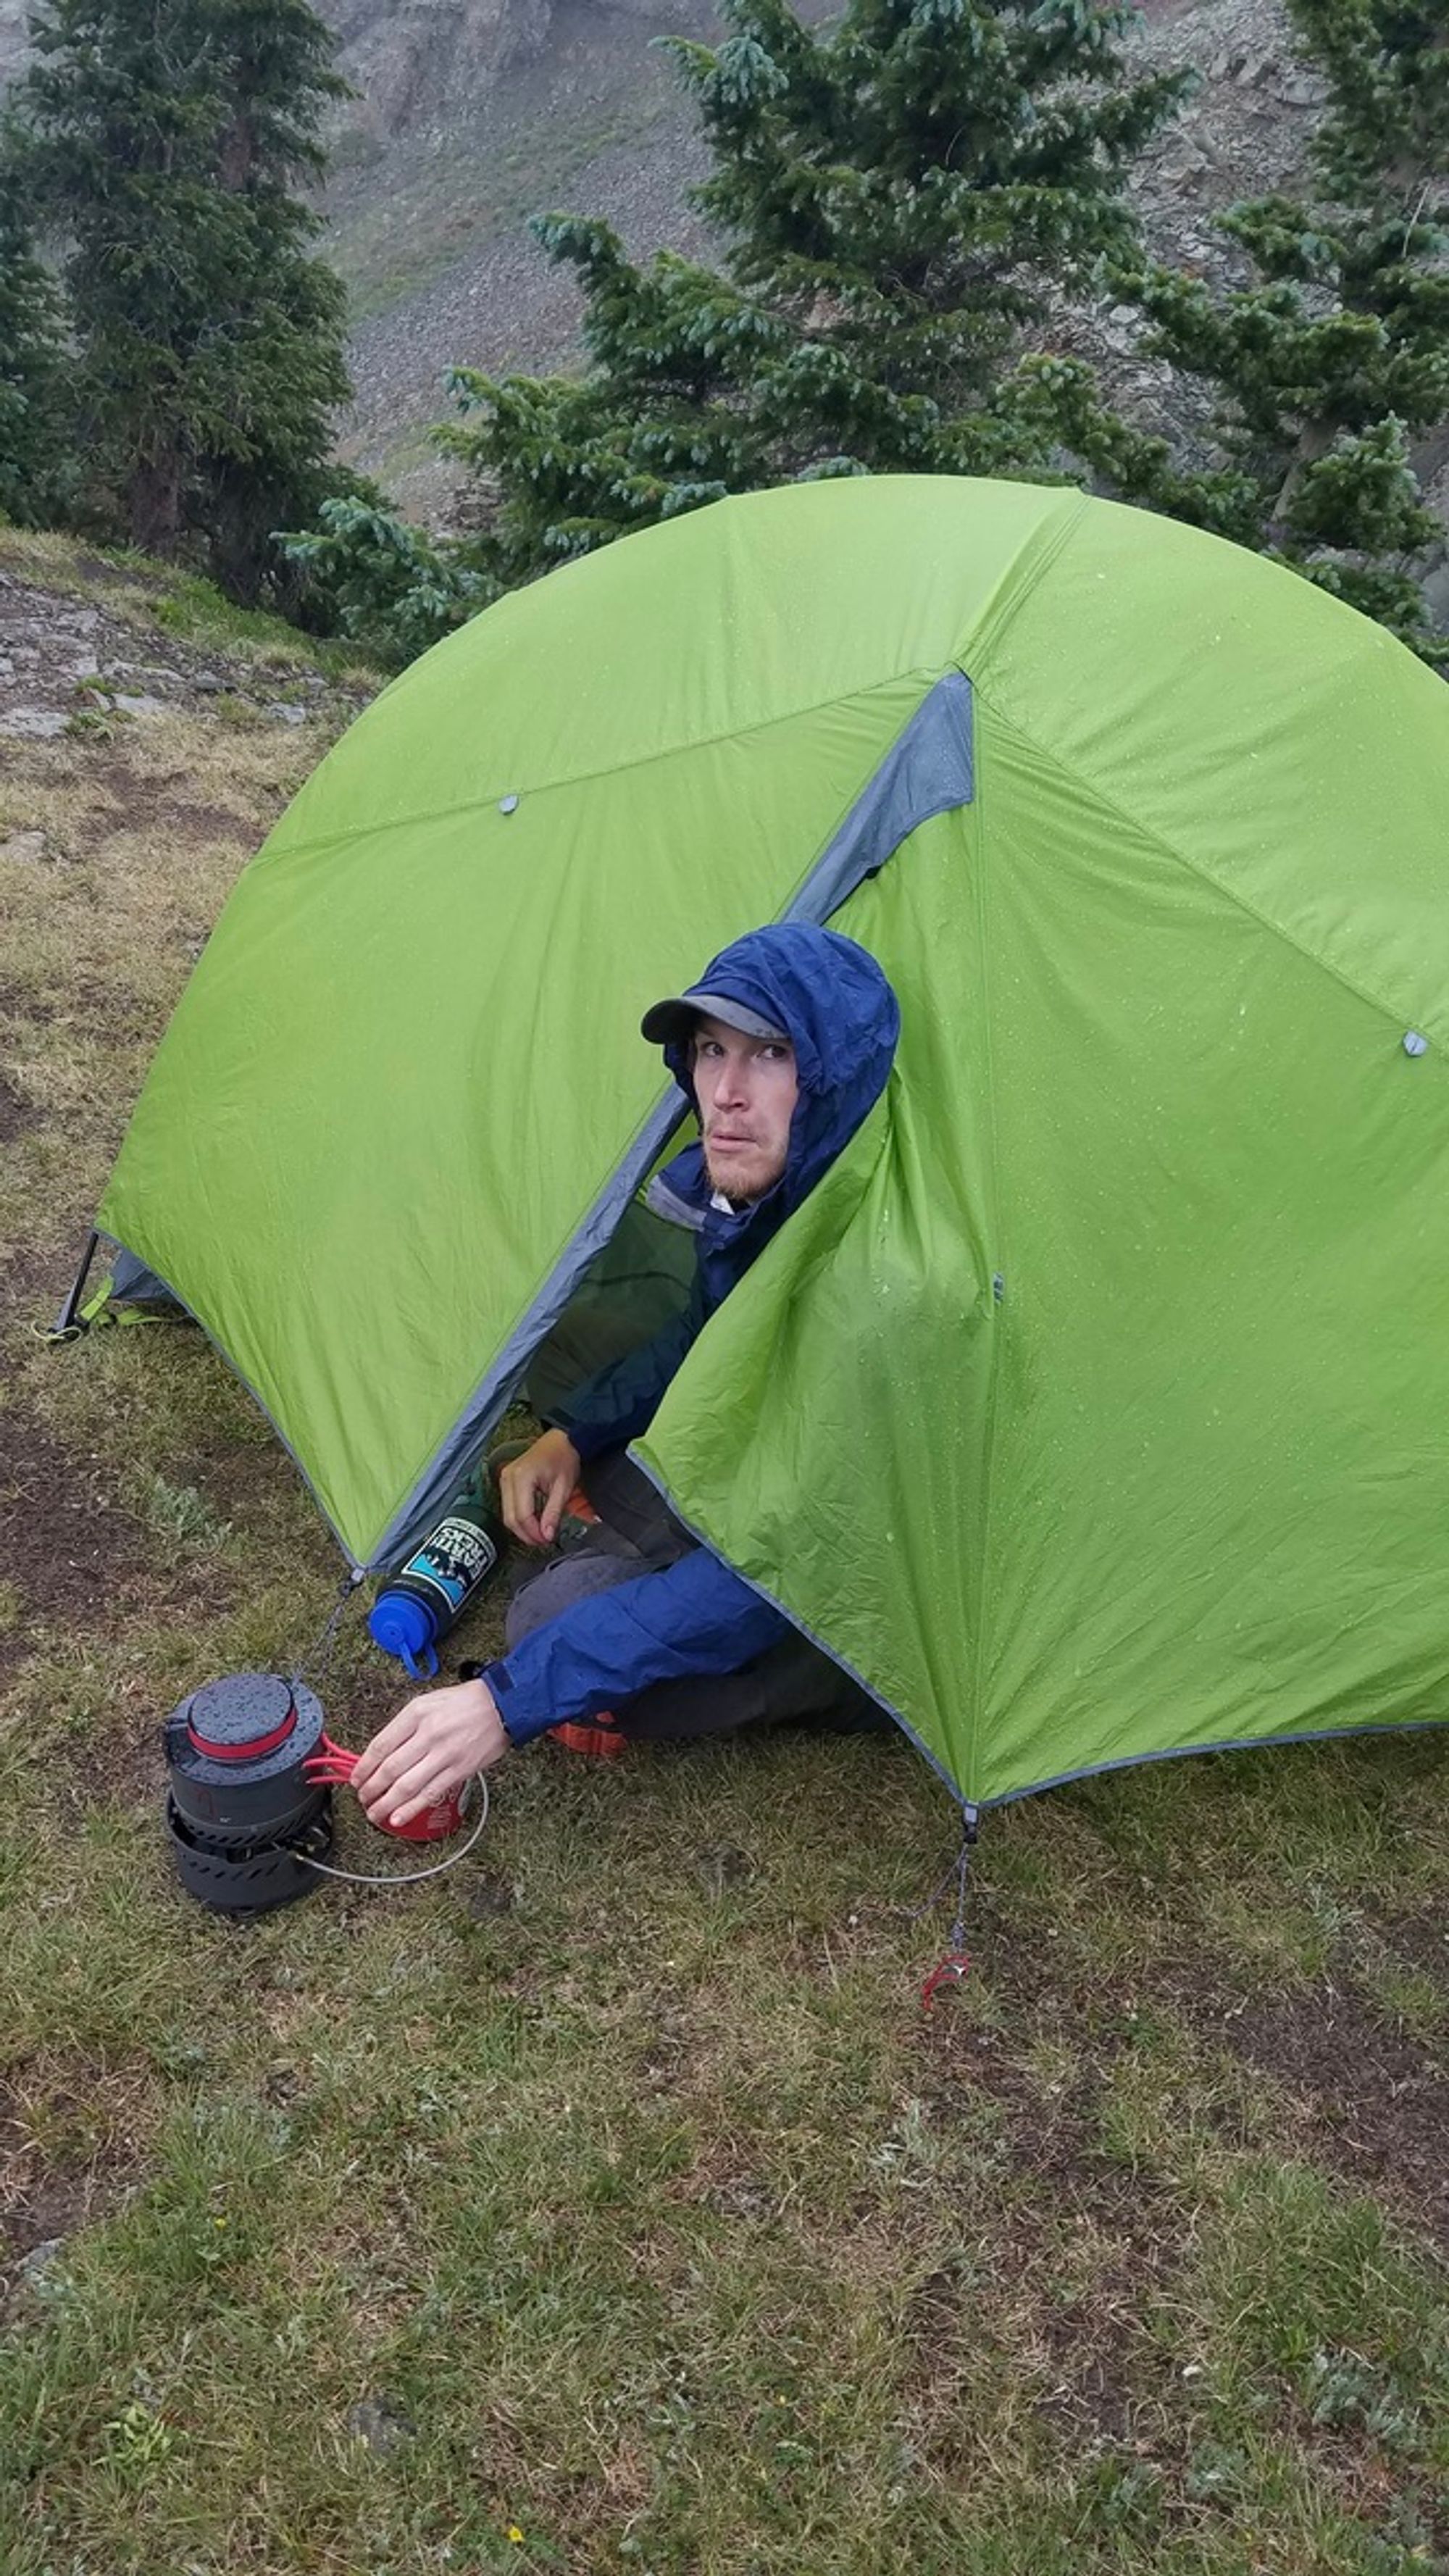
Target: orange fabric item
597 1739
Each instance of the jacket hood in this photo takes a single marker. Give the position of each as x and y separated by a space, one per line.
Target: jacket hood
843 1021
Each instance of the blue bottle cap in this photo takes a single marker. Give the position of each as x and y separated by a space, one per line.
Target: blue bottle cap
404 1626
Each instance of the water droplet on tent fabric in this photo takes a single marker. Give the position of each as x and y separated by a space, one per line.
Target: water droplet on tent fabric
507 804
1415 1043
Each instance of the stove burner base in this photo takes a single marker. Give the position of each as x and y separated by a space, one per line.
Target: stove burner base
249 1878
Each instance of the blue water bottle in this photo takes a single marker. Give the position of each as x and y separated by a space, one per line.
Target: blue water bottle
427 1595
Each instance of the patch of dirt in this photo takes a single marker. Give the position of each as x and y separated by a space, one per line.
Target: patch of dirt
17 1118
64 1544
60 1531
489 1895
84 1566
718 1866
54 2207
28 1277
1374 2109
127 1768
1091 2341
1375 2100
120 576
18 1003
207 824
33 1285
362 1697
1420 1940
107 1003
64 2157
137 807
132 805
742 2198
1379 2103
238 1472
1095 2378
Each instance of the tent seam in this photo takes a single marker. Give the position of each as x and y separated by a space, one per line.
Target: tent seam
1181 858
994 1311
1015 589
621 769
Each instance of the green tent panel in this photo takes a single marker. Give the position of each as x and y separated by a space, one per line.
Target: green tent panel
1093 1407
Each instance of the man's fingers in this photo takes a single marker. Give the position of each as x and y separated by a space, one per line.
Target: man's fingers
390 1739
533 1489
403 1758
415 1807
519 1488
418 1788
427 1749
521 1497
515 1493
402 1779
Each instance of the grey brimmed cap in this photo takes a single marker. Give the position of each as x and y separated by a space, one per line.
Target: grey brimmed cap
673 1021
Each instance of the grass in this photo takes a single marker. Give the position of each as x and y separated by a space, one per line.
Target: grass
612 2204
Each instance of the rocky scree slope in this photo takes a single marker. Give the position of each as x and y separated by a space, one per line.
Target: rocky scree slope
86 647
472 114
437 175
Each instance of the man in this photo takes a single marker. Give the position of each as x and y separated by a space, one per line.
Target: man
782 1048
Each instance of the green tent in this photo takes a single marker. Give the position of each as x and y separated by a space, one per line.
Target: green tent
1095 1406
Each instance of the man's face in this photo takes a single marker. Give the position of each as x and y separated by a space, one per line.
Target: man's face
746 1089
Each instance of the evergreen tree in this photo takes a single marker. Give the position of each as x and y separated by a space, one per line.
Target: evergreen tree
371 575
36 463
899 194
165 139
1326 374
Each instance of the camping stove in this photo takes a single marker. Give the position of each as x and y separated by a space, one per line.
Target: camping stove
244 1820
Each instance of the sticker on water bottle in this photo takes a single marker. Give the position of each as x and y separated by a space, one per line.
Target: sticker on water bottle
454 1558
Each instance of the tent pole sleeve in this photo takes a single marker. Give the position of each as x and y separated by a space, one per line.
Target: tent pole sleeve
68 1320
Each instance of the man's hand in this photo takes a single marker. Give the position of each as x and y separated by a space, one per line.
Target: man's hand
431 1746
533 1489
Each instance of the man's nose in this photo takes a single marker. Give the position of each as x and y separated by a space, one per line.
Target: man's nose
733 1088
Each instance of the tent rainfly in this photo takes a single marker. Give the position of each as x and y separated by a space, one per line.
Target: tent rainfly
1093 1407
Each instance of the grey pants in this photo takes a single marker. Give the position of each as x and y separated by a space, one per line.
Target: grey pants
793 1683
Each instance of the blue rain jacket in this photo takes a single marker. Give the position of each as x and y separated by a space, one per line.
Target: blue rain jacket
699 1616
